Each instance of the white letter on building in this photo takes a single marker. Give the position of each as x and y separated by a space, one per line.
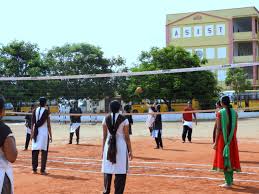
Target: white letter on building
209 30
220 29
197 31
176 33
187 32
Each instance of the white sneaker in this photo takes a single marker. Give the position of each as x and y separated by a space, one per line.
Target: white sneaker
225 185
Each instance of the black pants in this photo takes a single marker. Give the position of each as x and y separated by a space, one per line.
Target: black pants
27 141
159 142
187 129
44 157
119 183
77 136
7 187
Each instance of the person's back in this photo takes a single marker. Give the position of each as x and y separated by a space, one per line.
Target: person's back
74 118
116 149
226 157
158 122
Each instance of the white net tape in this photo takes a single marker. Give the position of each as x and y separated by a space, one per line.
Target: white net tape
128 74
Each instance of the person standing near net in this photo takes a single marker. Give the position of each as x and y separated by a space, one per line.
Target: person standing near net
8 154
41 136
187 122
116 149
28 127
226 157
129 117
75 122
151 119
157 129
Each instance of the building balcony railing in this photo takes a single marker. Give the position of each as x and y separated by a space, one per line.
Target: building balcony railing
243 36
243 59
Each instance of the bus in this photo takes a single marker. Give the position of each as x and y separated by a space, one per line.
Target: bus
9 108
177 105
249 99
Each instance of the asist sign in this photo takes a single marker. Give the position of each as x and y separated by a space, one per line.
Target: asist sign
198 31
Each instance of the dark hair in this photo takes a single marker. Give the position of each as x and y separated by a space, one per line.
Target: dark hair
114 108
127 108
218 103
153 108
226 101
2 103
43 101
158 107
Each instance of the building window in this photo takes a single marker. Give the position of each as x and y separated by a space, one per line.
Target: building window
222 75
220 29
242 24
199 53
249 72
187 32
176 32
210 53
243 48
209 30
197 31
222 52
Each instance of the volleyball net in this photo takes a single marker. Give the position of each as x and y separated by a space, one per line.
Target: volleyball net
137 92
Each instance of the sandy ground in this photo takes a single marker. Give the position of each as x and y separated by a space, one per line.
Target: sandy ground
179 168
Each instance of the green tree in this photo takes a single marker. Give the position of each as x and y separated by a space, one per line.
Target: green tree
170 87
19 58
80 59
237 80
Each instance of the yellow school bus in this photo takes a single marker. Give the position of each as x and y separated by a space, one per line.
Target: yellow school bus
9 109
249 99
27 108
177 106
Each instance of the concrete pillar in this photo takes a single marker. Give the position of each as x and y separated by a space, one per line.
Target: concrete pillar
254 34
167 35
231 42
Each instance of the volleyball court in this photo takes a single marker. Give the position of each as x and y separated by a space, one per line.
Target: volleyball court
177 168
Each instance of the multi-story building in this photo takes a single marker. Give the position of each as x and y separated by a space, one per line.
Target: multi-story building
222 36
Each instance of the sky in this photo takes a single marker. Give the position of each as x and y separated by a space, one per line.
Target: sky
119 27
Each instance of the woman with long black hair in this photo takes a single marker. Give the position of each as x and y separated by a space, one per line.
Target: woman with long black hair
116 149
41 135
226 155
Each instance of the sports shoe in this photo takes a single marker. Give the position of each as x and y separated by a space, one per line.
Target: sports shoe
44 173
225 185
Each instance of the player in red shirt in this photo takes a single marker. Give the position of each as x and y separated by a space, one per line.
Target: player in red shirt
187 122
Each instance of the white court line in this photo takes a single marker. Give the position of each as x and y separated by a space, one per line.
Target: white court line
207 170
142 162
91 163
145 167
144 174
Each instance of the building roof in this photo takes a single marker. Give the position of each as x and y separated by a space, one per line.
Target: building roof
224 13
